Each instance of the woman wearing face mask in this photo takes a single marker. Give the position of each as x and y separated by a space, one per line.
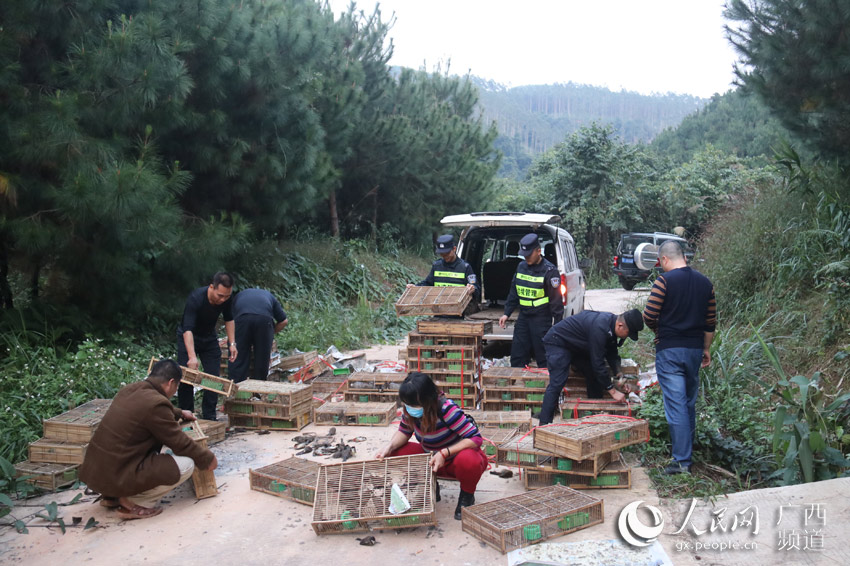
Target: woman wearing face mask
442 429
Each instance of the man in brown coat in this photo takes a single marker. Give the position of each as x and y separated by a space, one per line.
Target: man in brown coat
123 460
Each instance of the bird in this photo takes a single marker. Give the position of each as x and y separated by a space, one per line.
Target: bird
331 431
367 541
304 450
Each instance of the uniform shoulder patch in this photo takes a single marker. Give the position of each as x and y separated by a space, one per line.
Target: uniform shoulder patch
555 281
471 278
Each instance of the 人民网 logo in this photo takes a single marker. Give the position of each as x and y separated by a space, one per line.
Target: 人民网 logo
632 528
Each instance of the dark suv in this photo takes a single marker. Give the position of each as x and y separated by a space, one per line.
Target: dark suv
624 260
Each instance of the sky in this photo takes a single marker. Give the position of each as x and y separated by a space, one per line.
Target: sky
646 46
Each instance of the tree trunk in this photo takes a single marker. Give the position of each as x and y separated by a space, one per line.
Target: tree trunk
5 289
375 214
36 271
334 215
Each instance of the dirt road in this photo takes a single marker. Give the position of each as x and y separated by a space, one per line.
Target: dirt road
615 300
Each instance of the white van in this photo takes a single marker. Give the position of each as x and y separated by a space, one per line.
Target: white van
489 242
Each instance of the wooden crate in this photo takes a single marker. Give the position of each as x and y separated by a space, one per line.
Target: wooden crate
258 409
293 478
532 517
265 423
510 406
453 327
520 452
494 437
418 340
77 425
202 480
284 395
355 496
296 361
329 383
214 430
468 366
466 402
48 476
586 437
377 382
577 407
311 371
521 378
616 475
502 419
207 381
353 413
44 451
371 397
416 301
527 395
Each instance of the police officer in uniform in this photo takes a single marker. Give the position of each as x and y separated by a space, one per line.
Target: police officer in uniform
452 271
536 289
587 340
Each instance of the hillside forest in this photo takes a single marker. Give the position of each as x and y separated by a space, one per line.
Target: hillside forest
147 145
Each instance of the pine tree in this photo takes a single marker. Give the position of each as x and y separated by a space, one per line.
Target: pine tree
795 56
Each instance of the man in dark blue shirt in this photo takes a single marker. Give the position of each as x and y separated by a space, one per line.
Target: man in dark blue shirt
587 339
197 338
259 316
536 290
681 311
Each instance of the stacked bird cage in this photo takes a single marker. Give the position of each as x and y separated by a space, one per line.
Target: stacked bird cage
453 361
355 413
513 389
54 459
520 452
374 387
270 405
614 475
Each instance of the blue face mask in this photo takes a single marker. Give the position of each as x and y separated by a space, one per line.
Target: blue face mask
415 412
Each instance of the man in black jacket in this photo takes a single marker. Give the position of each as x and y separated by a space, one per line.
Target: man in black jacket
536 290
587 339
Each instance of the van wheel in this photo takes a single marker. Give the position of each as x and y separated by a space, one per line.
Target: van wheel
627 284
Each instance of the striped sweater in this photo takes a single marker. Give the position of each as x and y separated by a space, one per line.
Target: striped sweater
452 426
681 309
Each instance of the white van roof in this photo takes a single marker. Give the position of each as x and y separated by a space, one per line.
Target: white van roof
499 219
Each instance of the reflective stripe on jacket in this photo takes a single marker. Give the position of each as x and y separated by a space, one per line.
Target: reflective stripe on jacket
449 279
531 291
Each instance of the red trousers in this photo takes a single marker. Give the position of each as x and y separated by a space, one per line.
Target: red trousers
467 466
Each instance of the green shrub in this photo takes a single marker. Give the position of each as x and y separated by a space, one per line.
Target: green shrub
41 381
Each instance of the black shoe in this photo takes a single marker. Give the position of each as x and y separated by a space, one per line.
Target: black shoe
676 468
464 500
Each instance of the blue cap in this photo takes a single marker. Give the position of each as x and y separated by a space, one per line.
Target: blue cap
528 244
445 244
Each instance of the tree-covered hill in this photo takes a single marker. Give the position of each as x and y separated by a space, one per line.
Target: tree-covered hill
532 119
734 122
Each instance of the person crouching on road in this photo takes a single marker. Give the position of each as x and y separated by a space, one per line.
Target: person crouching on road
442 429
587 339
123 461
